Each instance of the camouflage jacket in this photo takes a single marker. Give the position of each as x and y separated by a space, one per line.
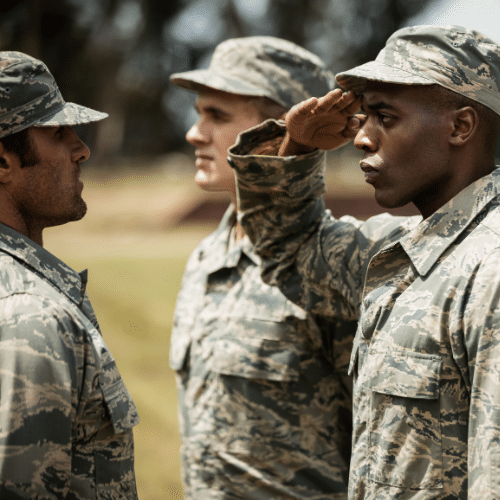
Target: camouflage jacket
425 359
264 396
66 416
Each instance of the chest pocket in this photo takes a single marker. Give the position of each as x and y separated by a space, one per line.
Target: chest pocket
405 430
258 349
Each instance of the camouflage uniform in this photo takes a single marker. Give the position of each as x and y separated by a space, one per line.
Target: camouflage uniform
425 357
66 416
264 397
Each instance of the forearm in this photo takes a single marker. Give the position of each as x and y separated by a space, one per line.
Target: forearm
282 210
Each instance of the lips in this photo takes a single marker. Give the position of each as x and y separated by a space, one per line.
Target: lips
371 173
202 159
203 155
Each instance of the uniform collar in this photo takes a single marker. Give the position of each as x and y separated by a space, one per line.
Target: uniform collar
42 262
221 252
428 241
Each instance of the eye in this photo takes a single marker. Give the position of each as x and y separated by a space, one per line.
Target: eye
218 116
384 118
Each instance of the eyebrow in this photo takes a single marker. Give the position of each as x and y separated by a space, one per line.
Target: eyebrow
379 105
209 109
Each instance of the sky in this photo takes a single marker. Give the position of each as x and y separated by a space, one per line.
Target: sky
480 15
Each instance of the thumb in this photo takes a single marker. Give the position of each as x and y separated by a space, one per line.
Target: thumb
354 123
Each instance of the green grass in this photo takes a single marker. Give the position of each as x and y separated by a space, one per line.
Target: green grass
133 283
134 301
136 255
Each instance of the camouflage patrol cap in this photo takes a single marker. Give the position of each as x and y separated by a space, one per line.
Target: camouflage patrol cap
459 59
29 96
262 66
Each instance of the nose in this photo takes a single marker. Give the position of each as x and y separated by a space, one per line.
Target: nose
364 139
197 135
80 151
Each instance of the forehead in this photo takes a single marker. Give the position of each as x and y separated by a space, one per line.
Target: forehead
40 133
397 95
220 98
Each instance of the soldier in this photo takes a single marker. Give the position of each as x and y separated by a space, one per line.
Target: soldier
426 353
66 416
264 397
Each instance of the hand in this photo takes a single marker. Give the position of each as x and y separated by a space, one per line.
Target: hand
325 123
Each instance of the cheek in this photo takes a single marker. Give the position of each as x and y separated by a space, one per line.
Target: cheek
415 149
225 138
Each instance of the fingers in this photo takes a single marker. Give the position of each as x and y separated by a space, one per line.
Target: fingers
326 102
305 107
361 118
337 102
354 123
300 111
351 105
346 104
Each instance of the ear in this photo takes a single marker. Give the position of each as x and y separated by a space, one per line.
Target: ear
465 125
8 162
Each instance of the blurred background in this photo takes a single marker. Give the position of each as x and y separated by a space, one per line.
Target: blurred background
145 215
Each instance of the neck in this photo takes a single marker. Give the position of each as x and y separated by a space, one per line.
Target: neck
13 219
431 201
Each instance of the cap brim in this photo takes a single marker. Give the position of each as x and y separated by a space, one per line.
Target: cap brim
71 114
193 80
356 78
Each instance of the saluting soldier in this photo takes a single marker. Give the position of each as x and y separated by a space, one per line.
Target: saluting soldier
426 354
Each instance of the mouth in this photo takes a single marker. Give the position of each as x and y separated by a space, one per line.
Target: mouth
202 159
371 173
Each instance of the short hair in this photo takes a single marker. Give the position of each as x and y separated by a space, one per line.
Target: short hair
268 108
446 99
20 144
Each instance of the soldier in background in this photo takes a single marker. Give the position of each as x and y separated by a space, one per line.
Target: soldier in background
264 397
426 355
66 416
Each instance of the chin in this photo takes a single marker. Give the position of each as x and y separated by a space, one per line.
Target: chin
79 211
209 186
206 186
388 201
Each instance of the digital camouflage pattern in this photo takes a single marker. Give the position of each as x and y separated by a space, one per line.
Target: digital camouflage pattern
262 66
456 58
425 357
66 416
264 396
29 96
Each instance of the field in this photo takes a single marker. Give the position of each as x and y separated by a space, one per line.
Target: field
135 256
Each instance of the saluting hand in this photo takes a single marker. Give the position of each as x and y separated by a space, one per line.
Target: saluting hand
325 123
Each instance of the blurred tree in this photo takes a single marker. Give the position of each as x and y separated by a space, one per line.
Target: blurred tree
107 54
343 33
116 55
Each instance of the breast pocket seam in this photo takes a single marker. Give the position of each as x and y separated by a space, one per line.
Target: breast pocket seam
256 358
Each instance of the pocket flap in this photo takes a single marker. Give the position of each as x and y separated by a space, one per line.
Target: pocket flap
256 358
405 374
118 400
